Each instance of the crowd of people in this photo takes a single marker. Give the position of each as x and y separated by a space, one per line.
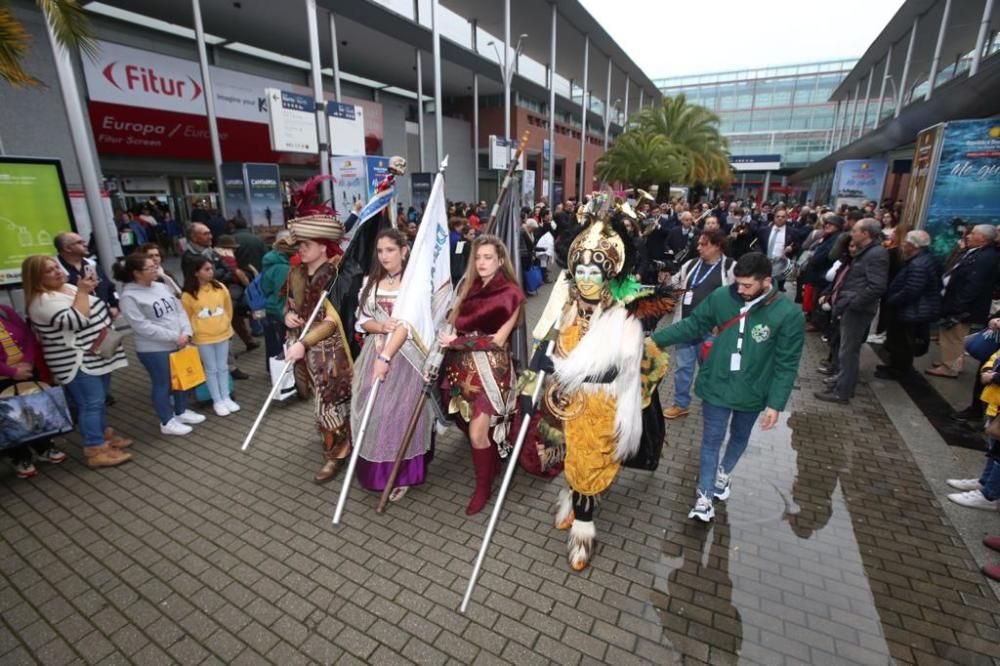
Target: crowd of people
857 272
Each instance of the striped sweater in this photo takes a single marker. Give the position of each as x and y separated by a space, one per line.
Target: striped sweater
67 335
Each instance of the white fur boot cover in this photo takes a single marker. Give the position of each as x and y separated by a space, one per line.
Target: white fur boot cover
564 506
581 544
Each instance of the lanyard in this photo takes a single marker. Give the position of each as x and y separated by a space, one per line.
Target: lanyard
744 312
697 267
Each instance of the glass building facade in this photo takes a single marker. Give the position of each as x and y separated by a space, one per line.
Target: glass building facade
773 110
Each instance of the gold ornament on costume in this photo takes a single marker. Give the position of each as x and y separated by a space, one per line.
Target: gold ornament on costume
562 405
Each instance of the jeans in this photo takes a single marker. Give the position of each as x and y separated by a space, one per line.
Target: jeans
88 393
214 359
687 357
157 364
716 420
990 478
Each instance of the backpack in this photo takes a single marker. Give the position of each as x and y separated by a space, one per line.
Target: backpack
255 298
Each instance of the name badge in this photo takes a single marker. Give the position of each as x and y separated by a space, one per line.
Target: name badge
459 246
688 297
734 362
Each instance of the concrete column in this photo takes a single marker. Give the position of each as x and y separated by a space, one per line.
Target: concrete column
901 93
607 106
206 81
334 50
937 49
881 92
317 84
984 28
583 113
552 108
475 122
420 108
625 122
854 113
506 71
438 122
868 94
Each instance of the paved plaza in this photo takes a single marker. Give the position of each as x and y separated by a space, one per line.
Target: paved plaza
833 549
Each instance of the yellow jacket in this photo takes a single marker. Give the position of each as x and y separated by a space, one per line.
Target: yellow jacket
991 392
211 314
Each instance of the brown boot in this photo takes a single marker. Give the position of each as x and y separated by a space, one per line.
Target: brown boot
330 470
114 440
105 456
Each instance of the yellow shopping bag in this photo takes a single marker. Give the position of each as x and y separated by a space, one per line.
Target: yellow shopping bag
186 370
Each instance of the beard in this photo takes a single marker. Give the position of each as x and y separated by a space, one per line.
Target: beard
757 294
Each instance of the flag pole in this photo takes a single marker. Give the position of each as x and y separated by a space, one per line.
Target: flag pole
356 452
430 375
506 181
508 475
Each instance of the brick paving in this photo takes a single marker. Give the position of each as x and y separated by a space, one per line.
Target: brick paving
832 550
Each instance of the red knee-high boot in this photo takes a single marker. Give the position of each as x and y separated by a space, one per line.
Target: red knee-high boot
485 464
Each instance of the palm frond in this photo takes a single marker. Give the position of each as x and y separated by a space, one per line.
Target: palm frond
70 24
14 41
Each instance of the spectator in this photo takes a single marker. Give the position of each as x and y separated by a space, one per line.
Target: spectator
272 282
779 241
682 242
160 328
968 292
856 303
814 273
175 234
751 368
210 311
217 225
913 301
72 256
698 278
545 246
152 250
226 273
250 248
18 351
70 320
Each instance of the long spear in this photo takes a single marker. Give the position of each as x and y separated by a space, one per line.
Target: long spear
356 452
508 475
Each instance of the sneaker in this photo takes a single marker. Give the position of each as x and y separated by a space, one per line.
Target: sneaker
221 409
51 455
231 406
703 509
964 484
189 417
174 427
722 485
876 339
973 499
675 412
24 469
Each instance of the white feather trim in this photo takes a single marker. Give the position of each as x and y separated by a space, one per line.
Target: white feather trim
564 505
613 341
581 541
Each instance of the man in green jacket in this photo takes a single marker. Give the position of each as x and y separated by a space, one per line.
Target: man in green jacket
751 368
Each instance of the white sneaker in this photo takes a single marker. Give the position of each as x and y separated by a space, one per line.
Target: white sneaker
174 427
973 499
876 339
964 484
221 408
231 406
703 509
189 417
722 485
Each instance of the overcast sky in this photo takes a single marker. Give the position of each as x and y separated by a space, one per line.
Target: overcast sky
675 37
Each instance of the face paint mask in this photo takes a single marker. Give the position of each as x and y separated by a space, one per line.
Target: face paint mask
589 281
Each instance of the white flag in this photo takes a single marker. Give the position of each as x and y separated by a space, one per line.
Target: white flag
426 288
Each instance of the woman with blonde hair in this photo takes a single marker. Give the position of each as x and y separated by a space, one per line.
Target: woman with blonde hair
71 323
478 371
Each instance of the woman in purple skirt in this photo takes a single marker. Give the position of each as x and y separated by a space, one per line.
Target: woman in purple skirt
388 353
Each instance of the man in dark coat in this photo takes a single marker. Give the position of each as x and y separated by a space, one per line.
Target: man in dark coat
856 303
912 303
251 250
779 241
968 293
682 242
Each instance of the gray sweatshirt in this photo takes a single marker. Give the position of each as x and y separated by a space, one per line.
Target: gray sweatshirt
156 316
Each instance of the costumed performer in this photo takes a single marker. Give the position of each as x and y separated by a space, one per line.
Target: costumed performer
323 349
604 371
392 355
478 378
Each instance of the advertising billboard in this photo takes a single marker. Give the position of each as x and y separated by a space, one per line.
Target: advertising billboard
858 181
350 183
35 209
378 169
264 185
420 190
234 190
966 185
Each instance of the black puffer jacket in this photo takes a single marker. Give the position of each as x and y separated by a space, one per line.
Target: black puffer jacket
970 289
915 293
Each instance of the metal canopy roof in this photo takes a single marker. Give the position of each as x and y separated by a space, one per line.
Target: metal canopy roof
956 99
534 18
960 38
379 44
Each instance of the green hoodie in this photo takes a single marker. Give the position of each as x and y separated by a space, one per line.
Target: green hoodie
772 346
275 272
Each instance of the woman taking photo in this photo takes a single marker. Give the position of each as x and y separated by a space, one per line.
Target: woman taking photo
389 354
18 352
210 310
478 371
71 323
160 328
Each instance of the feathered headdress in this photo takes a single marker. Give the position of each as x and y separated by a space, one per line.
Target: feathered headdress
314 219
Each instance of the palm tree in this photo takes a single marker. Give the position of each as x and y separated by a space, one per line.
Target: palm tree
642 159
69 23
687 133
